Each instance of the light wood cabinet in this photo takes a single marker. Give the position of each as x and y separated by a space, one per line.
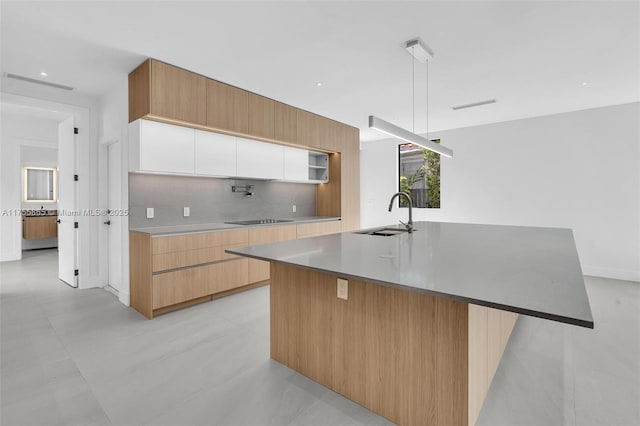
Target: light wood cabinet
286 123
160 147
176 271
234 111
316 131
261 116
35 227
215 154
314 229
162 90
172 272
227 107
258 269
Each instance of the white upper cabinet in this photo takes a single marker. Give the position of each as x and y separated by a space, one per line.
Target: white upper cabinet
296 164
159 147
166 148
259 160
215 154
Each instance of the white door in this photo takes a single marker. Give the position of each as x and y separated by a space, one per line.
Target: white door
67 214
114 219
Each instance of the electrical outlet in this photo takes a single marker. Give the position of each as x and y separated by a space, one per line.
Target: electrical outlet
150 212
293 208
187 212
343 289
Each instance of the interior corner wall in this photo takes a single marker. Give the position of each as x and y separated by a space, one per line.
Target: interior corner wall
114 127
578 170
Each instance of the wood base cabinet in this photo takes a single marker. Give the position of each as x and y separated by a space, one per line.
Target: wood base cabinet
172 272
410 357
34 227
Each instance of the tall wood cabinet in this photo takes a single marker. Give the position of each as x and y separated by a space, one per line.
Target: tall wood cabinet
166 93
261 116
227 107
162 90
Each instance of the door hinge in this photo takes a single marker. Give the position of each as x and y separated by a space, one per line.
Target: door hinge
75 178
75 130
75 225
75 273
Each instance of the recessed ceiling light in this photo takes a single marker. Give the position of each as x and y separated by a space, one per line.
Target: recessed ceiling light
584 83
44 74
319 83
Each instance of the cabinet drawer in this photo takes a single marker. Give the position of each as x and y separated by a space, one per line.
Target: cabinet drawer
186 284
178 259
306 230
219 277
39 227
172 288
199 241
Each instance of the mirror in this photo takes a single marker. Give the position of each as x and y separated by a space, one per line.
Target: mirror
40 184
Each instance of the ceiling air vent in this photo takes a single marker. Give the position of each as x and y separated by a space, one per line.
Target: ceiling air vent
474 104
35 81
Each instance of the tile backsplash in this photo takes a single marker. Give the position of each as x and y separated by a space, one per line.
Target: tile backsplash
211 200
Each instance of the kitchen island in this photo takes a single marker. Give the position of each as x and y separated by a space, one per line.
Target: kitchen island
427 315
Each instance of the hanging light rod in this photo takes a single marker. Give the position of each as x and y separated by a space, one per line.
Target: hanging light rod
405 135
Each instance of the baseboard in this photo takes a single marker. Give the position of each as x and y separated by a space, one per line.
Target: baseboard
616 274
122 295
111 290
124 298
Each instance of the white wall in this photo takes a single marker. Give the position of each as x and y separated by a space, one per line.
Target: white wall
19 132
114 125
578 170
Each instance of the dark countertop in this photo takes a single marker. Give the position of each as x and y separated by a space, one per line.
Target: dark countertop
531 271
164 231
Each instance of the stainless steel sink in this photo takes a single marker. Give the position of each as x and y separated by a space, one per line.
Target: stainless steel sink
383 232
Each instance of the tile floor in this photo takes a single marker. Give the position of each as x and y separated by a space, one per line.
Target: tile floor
78 357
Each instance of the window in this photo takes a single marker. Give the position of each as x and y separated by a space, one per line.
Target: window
420 175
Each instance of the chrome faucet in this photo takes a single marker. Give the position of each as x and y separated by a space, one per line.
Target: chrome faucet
408 226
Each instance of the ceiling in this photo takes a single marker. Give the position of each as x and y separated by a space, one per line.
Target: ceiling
533 57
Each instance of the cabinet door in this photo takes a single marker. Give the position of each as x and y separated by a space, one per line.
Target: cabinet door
286 123
177 93
316 131
261 116
215 154
260 160
259 269
306 230
166 148
296 164
227 107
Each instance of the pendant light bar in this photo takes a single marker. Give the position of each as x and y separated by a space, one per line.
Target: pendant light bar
405 135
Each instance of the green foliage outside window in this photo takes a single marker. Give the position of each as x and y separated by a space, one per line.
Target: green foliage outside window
420 177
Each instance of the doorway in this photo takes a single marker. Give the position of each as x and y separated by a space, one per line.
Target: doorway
38 150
